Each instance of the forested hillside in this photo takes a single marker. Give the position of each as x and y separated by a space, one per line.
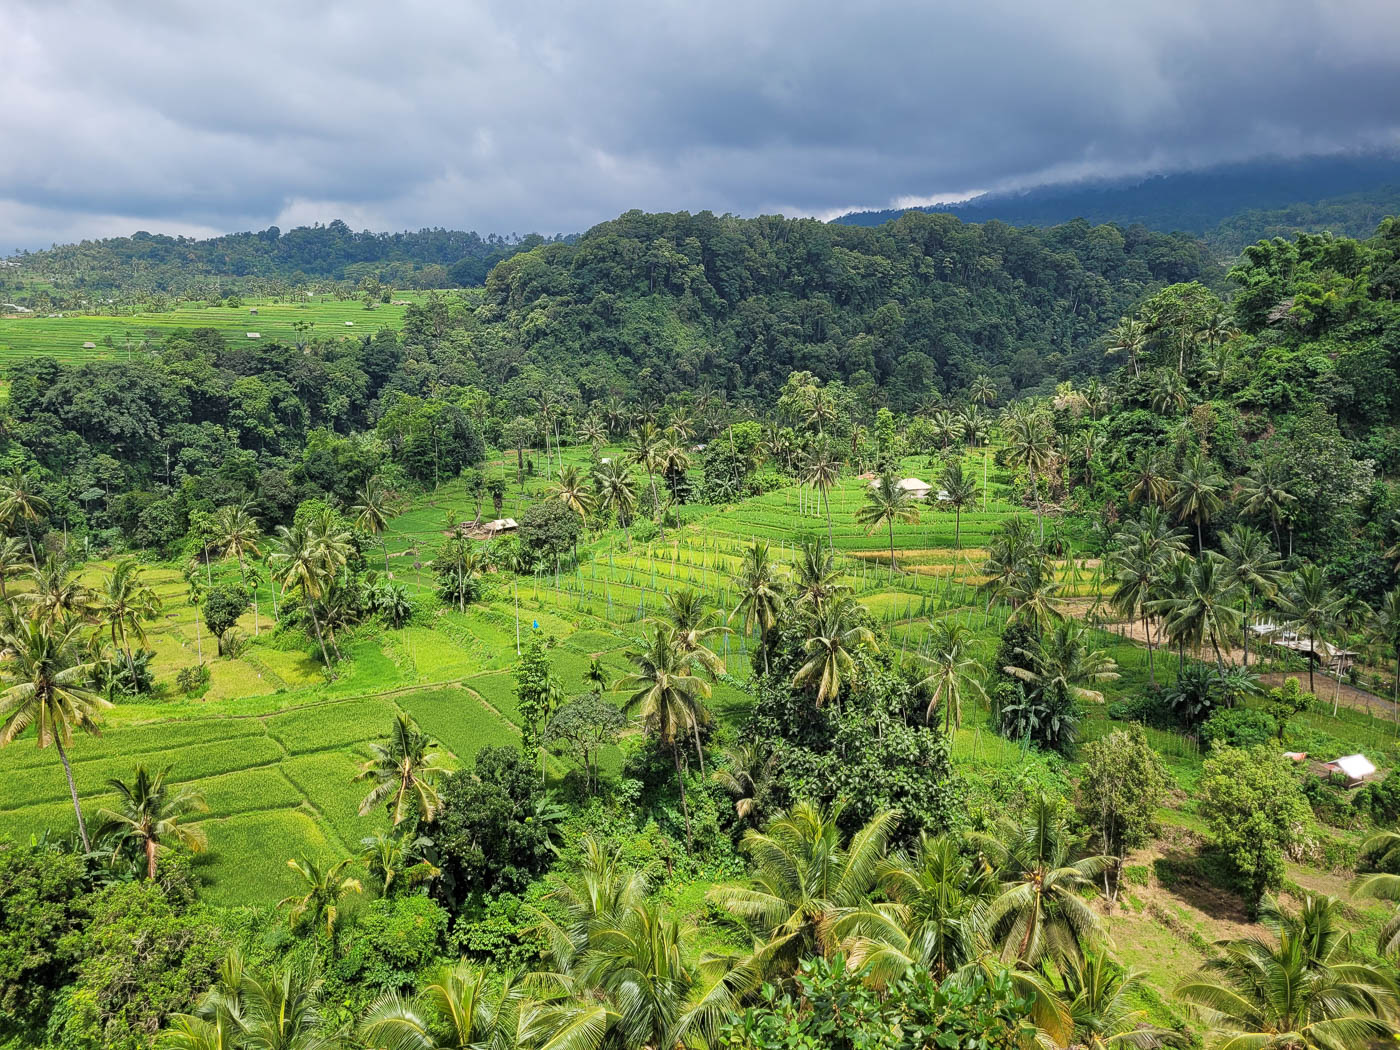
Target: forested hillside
650 305
262 262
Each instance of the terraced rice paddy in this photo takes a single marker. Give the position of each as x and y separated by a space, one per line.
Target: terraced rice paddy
122 337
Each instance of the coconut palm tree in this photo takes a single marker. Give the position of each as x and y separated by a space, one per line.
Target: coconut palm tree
760 593
1065 663
13 562
21 505
617 493
324 887
1129 338
1303 990
1384 631
1101 999
239 536
809 888
691 625
1205 609
391 861
151 812
1152 483
643 452
821 411
371 513
594 431
126 604
834 632
982 391
1263 495
404 772
947 428
47 685
822 470
244 1012
308 558
886 502
959 493
462 1009
816 576
1255 568
1140 560
669 699
1198 494
746 773
1311 605
1169 392
1039 913
976 427
57 593
955 673
1030 445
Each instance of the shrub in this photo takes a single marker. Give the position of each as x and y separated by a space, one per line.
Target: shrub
1238 727
393 942
193 679
1381 799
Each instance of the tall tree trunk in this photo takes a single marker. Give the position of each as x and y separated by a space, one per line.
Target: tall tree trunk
826 494
1039 516
891 523
73 790
1312 658
1147 633
316 623
680 780
151 859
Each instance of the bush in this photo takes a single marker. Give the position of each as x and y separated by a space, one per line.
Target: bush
1238 727
393 942
193 679
1381 799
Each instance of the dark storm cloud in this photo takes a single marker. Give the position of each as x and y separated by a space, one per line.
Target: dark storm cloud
552 116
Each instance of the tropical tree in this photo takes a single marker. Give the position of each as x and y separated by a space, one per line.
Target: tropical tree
324 889
1039 913
947 428
834 632
1205 609
1312 606
670 700
1303 990
954 674
462 1009
572 491
809 887
1263 495
643 452
691 625
240 537
959 493
982 390
1255 568
886 502
1030 445
822 470
1198 494
371 513
150 813
22 506
760 593
13 562
404 773
299 559
1153 482
816 576
747 773
1065 663
47 684
1102 999
1130 338
1140 561
126 604
616 493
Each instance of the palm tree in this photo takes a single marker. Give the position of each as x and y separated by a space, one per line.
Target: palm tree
1064 663
816 577
325 888
643 453
126 604
309 558
834 632
1153 483
1169 392
1199 493
822 470
955 673
240 536
885 503
1101 999
1039 913
809 888
821 411
1255 568
47 686
594 431
947 428
616 493
151 813
747 775
982 390
1303 991
371 515
760 594
691 625
1384 631
572 491
1311 605
57 593
1140 561
1263 495
390 860
404 772
1030 444
1205 609
669 699
976 427
959 493
21 504
462 1009
13 562
1129 338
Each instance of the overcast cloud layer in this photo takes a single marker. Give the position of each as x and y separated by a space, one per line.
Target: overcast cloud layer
522 116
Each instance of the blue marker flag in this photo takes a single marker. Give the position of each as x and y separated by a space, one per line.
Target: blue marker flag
537 625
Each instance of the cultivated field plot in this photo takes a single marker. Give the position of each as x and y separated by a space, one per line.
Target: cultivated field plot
121 337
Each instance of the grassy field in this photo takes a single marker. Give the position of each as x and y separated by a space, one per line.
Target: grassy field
274 744
121 336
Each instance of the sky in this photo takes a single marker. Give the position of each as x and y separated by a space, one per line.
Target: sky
527 116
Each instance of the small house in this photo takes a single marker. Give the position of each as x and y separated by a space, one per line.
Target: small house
254 335
89 346
1356 769
253 310
349 324
500 525
913 486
